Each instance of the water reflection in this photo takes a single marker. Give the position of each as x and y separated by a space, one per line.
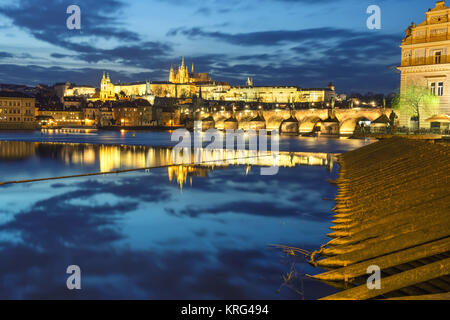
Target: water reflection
182 163
163 139
16 150
135 235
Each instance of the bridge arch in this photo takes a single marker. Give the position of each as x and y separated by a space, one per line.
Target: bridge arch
348 126
308 124
290 126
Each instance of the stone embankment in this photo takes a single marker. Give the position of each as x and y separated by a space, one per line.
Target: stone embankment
393 212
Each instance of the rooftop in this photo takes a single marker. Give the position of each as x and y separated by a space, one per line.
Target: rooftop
14 94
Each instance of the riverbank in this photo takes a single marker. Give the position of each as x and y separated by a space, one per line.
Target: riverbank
392 211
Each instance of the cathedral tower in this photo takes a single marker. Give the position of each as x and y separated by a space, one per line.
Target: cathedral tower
172 75
106 88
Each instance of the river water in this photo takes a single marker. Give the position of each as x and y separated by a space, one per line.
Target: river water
178 232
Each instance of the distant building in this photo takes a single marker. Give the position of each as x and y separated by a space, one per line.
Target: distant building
17 111
111 91
73 102
273 94
185 84
80 91
137 113
426 61
181 84
63 117
68 90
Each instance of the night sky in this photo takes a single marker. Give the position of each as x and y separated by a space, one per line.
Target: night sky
306 43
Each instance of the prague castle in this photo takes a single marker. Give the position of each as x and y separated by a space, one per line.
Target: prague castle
182 84
183 76
185 84
426 62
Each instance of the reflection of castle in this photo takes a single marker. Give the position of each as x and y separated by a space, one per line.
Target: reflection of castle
125 157
181 173
178 162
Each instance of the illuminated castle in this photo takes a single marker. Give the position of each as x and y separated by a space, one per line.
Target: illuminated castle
185 84
183 76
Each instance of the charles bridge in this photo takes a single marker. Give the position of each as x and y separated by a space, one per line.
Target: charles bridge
327 121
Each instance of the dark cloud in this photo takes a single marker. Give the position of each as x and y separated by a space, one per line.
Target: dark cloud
29 15
34 74
56 233
144 54
48 22
354 60
5 55
133 188
45 225
61 56
265 38
320 55
265 209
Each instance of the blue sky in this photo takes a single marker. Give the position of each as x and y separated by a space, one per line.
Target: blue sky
306 43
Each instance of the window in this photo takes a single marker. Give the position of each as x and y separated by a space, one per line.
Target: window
437 57
435 125
440 90
433 88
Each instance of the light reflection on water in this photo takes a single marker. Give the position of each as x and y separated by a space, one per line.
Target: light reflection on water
163 139
137 235
108 158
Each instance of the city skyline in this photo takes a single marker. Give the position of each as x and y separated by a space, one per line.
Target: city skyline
273 43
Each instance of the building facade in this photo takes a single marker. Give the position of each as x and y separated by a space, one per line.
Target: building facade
83 91
138 113
64 117
271 94
17 111
110 91
68 90
426 62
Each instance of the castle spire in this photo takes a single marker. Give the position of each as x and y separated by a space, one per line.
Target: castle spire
171 74
182 63
192 71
